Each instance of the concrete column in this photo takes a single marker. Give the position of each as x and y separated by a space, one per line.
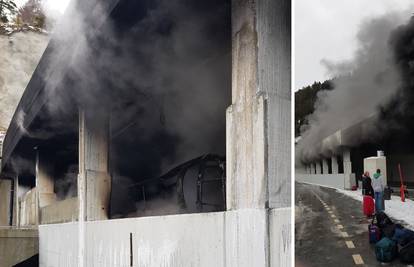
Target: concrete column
312 168
44 181
94 181
258 130
334 164
347 161
16 206
5 198
325 168
318 167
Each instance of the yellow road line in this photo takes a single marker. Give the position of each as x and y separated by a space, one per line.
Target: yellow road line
350 244
340 226
357 259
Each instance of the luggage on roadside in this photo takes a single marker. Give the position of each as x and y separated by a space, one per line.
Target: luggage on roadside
354 188
403 236
382 219
387 193
406 252
389 230
374 233
385 250
368 206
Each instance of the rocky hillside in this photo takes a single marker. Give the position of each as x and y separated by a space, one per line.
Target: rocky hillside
21 48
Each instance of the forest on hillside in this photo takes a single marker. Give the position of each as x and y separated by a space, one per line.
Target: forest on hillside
305 99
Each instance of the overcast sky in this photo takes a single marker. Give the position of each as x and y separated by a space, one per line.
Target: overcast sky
326 29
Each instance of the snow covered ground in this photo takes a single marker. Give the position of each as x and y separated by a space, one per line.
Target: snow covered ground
401 211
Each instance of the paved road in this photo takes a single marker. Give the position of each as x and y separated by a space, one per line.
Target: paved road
331 230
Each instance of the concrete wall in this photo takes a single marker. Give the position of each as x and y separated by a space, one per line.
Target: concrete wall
232 238
17 245
62 211
5 194
29 208
331 180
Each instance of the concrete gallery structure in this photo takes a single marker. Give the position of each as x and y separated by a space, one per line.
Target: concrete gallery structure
346 154
58 126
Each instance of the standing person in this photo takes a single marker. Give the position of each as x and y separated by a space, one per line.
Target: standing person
378 186
366 185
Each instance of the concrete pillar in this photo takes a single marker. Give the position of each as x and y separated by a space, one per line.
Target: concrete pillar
16 206
334 164
44 181
318 167
347 161
258 156
325 167
5 199
94 181
313 168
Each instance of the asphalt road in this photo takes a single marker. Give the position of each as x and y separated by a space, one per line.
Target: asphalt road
331 230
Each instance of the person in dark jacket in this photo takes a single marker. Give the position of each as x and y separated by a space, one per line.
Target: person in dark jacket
367 189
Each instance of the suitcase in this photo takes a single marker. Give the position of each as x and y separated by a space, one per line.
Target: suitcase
387 193
385 250
368 206
374 233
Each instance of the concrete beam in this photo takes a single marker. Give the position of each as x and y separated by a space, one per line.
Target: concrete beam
44 181
325 166
94 181
334 164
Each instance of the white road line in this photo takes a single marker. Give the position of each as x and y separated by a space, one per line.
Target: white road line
330 212
333 216
336 220
340 226
357 259
344 234
350 244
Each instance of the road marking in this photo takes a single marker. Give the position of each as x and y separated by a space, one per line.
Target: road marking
333 216
330 212
350 244
336 220
357 259
340 226
344 234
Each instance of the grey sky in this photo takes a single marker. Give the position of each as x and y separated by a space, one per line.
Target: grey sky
326 29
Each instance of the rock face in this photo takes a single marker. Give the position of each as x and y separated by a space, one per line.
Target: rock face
20 54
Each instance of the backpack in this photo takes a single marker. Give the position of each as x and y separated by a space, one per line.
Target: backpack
385 250
407 253
382 219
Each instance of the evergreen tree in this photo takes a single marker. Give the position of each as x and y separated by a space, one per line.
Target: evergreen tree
6 7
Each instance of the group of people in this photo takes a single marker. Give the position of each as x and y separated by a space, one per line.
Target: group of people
374 187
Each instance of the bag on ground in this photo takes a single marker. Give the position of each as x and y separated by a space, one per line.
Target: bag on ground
382 219
374 233
389 230
407 252
368 206
385 250
387 193
403 236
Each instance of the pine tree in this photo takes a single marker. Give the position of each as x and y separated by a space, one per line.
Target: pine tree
6 6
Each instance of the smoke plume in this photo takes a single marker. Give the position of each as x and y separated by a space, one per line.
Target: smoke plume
363 87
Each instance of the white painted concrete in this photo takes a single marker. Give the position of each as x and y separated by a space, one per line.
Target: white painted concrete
334 164
330 180
232 238
318 167
325 168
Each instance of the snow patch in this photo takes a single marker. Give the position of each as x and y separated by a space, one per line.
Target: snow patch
395 208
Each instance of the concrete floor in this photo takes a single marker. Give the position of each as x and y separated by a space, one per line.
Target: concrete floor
319 241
